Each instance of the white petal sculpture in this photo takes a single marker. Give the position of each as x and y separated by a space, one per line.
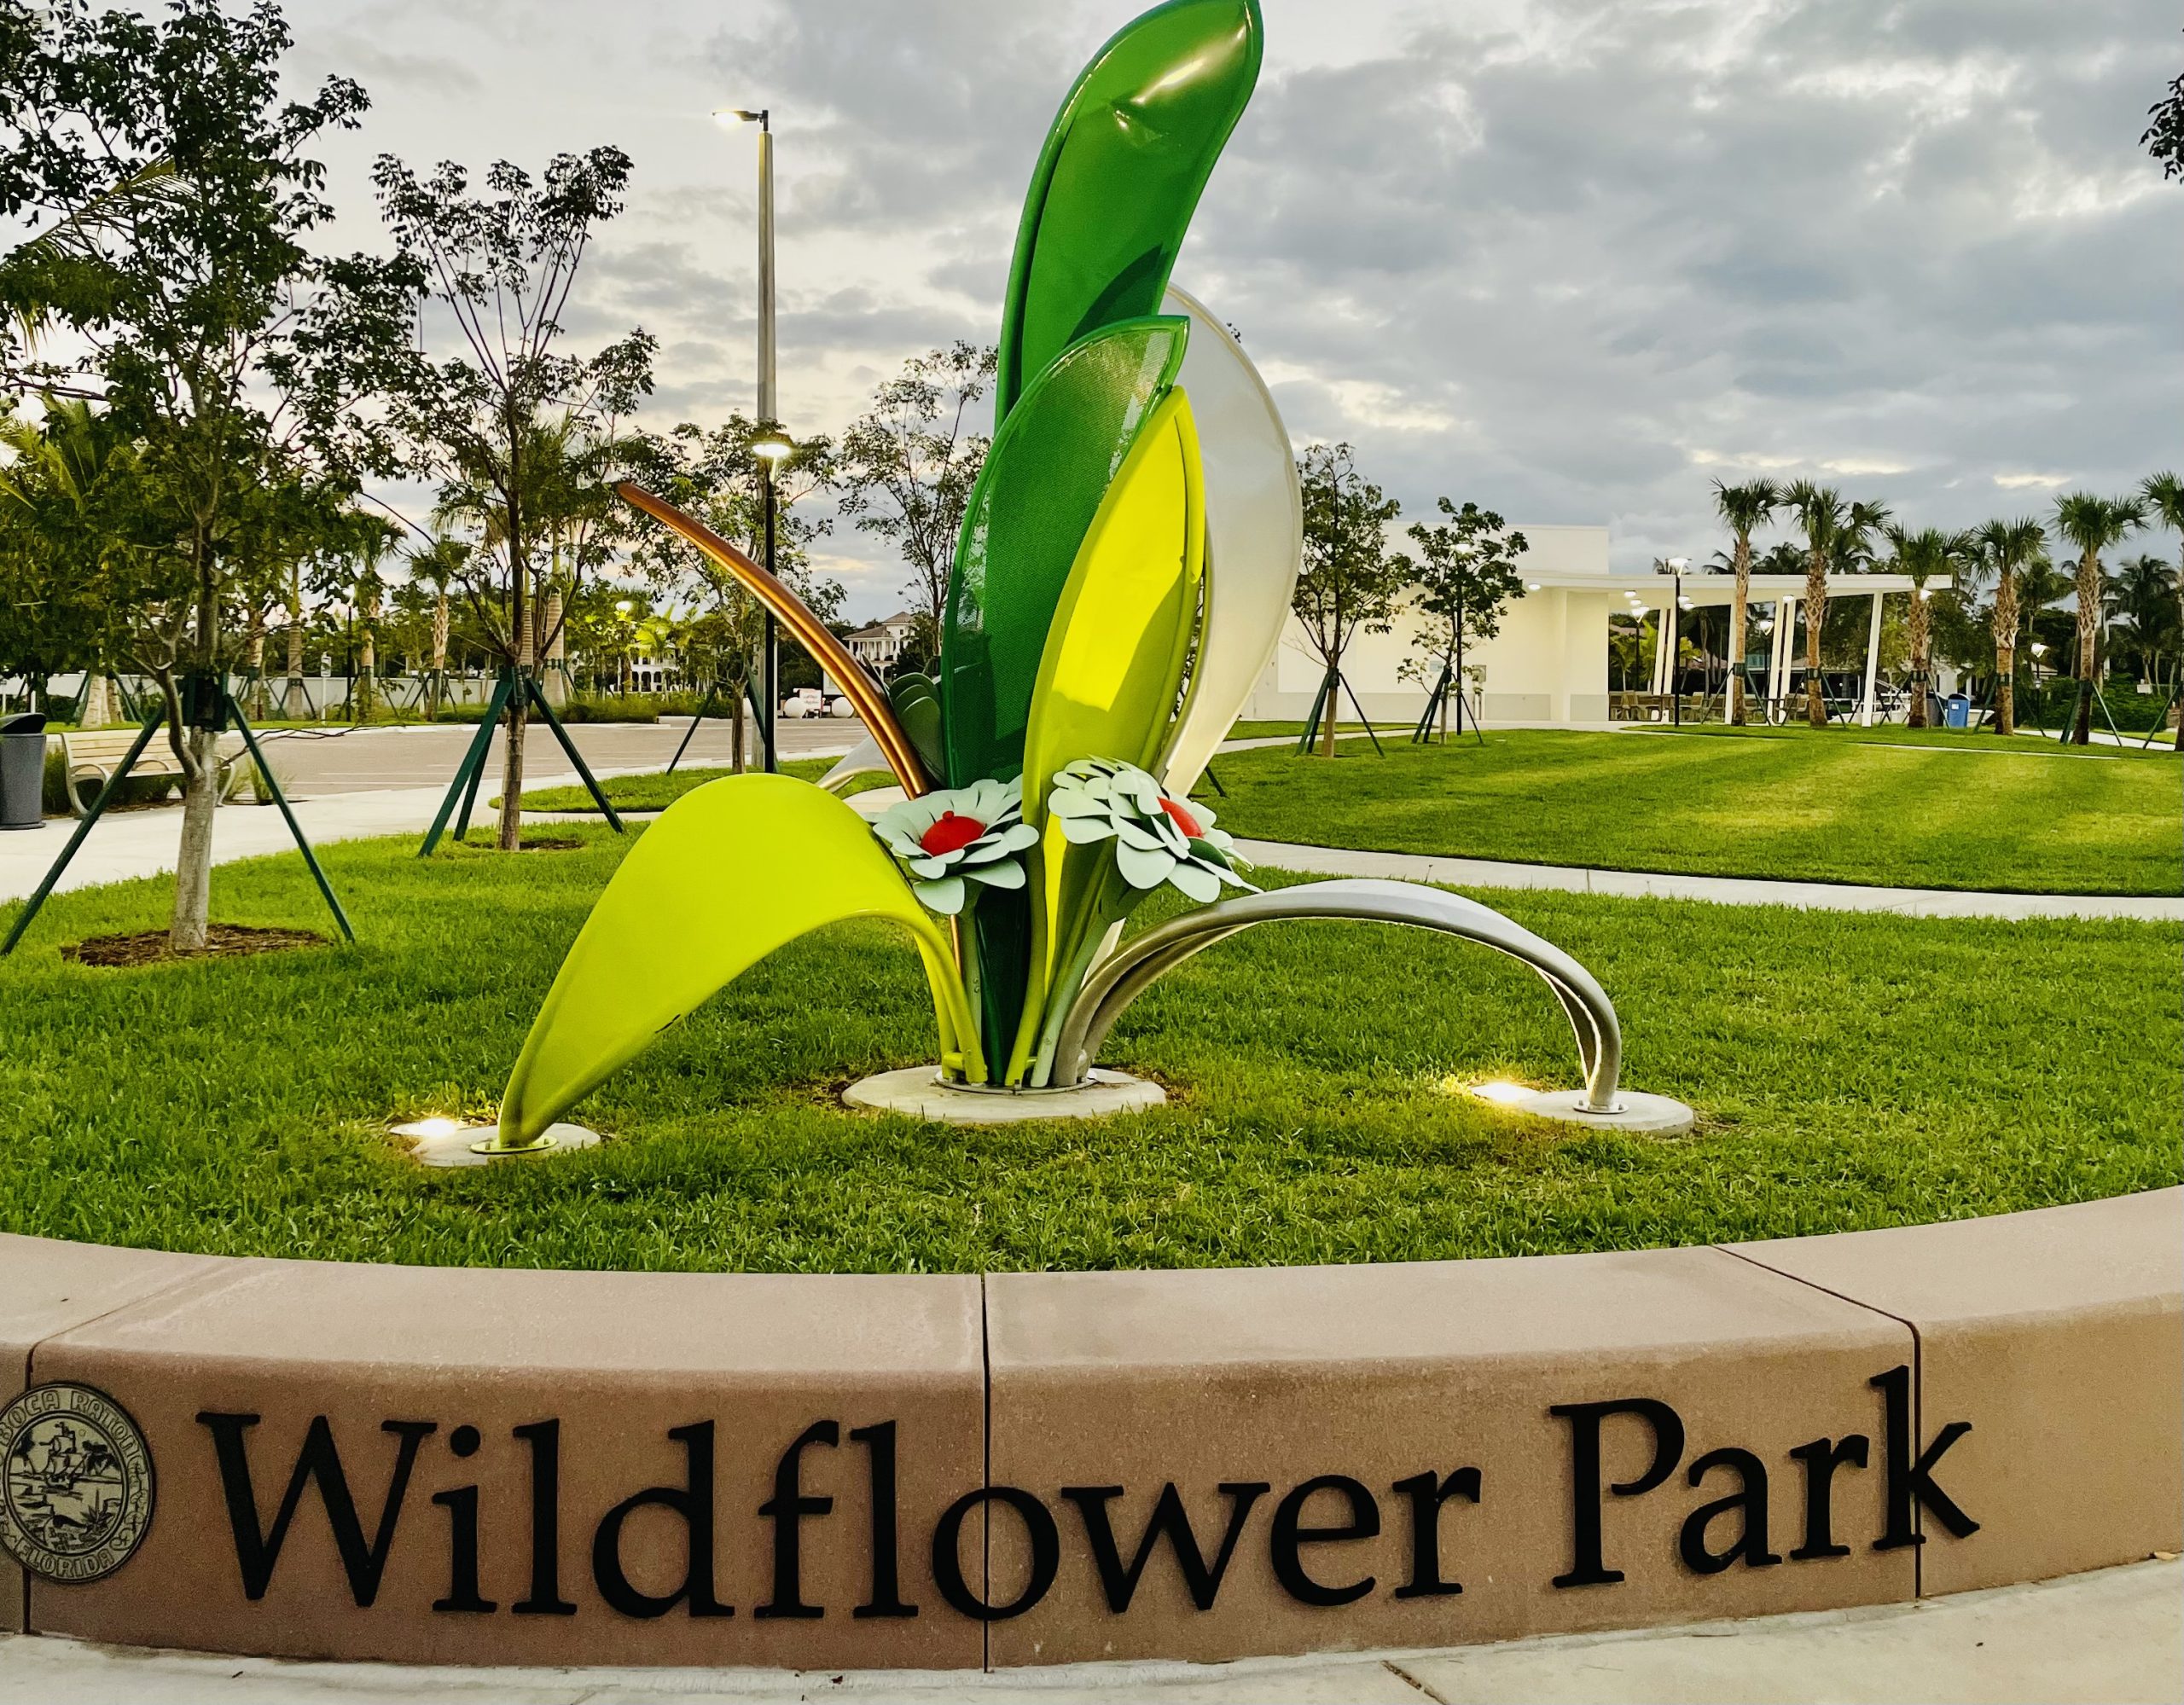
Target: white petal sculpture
1255 522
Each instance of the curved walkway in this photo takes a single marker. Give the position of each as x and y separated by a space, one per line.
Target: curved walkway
1725 891
2108 1636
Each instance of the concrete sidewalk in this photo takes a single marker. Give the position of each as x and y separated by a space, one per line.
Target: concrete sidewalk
1728 890
2111 1638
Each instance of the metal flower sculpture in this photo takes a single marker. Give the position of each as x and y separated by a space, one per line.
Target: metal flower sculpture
1138 514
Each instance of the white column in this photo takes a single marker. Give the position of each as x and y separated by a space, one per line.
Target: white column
1873 666
1785 619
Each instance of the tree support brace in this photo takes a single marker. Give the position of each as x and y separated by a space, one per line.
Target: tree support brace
206 703
513 684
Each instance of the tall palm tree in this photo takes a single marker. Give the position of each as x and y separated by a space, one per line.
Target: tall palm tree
2007 551
438 565
1920 556
1743 509
2164 496
2141 594
2092 524
1820 515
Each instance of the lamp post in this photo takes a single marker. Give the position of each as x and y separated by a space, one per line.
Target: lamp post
1672 618
769 661
772 446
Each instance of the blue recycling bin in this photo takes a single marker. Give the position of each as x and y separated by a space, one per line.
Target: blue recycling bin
1956 711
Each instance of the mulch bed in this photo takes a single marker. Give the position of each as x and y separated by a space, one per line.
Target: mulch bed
530 843
221 941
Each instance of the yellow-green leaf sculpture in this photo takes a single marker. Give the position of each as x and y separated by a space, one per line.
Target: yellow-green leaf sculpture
1044 769
741 867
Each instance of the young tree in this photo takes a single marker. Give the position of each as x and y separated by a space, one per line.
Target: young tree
1922 556
523 438
715 477
906 466
1744 509
2141 594
2091 526
2007 552
1349 579
171 176
1465 573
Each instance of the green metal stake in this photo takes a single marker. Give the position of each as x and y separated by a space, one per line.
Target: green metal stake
705 704
1368 720
1423 732
98 808
232 712
467 771
576 757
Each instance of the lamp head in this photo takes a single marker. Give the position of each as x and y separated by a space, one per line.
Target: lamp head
727 118
772 444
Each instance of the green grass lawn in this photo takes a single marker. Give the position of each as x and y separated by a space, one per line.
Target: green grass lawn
656 790
1891 807
1848 1071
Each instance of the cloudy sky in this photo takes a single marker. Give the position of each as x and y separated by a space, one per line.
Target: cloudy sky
1571 260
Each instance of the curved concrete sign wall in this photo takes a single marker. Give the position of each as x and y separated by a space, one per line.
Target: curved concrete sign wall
456 1465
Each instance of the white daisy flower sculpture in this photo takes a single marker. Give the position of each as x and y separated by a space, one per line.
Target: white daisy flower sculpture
1157 839
952 837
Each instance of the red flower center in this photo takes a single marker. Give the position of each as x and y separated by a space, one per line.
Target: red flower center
1182 819
951 833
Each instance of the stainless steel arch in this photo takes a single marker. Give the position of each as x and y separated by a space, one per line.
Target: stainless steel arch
1142 962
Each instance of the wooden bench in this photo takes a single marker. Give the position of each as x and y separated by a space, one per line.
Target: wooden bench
93 754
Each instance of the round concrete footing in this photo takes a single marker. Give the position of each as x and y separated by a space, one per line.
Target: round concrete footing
1651 1116
449 1142
918 1091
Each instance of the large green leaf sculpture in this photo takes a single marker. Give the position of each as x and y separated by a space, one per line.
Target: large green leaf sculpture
1050 469
729 873
1119 177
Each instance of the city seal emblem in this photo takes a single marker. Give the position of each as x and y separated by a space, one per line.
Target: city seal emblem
75 1483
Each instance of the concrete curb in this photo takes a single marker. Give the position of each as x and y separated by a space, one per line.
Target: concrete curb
483 1467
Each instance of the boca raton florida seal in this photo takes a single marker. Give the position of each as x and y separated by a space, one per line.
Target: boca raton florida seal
75 1483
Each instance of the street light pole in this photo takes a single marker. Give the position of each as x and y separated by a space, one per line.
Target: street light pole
769 407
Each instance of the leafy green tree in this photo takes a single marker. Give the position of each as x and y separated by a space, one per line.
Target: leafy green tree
1463 575
232 358
1744 509
906 466
715 477
2141 596
2164 136
2092 524
2164 499
1924 556
1351 579
523 438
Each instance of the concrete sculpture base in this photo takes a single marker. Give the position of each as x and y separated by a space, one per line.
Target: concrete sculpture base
1641 1115
918 1091
450 1142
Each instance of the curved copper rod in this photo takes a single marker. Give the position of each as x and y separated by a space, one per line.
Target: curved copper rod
809 631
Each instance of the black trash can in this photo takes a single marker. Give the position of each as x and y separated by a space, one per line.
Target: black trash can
22 771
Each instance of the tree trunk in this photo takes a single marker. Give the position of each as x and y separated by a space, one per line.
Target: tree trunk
94 703
1815 619
1920 624
296 701
735 730
554 637
193 878
1738 601
2088 639
368 661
